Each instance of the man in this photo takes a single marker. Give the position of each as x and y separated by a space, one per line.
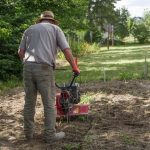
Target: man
38 50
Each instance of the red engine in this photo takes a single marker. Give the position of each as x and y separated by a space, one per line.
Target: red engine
67 101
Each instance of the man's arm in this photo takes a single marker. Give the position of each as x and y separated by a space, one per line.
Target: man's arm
21 53
22 46
69 57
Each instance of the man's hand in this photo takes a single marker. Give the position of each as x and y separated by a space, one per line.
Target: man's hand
76 71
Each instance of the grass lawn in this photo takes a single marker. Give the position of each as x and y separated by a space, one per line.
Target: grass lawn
118 63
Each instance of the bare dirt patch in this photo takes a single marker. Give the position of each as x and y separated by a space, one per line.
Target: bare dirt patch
119 119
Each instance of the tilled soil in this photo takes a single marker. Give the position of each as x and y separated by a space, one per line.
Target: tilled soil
119 119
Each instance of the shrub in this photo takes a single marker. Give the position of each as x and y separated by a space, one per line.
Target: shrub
9 68
141 32
83 48
96 36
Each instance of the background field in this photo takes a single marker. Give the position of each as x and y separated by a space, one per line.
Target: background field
118 63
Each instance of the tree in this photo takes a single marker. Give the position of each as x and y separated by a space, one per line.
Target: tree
70 13
100 13
147 19
130 25
140 30
123 24
17 15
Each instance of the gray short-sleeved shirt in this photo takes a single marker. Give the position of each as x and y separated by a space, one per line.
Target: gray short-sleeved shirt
41 42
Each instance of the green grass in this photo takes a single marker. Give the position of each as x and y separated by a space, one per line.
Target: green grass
86 98
72 147
10 84
127 139
118 63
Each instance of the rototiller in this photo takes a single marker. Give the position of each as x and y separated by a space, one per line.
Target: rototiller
67 101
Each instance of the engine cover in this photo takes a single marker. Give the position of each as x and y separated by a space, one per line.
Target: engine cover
74 94
68 97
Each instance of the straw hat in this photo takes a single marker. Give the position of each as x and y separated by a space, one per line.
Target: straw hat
47 15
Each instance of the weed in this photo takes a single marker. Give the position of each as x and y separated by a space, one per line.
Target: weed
128 139
88 139
126 75
72 147
86 98
83 118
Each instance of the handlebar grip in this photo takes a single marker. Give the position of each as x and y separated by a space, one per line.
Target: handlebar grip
76 74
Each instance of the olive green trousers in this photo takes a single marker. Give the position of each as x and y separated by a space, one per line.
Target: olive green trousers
39 78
